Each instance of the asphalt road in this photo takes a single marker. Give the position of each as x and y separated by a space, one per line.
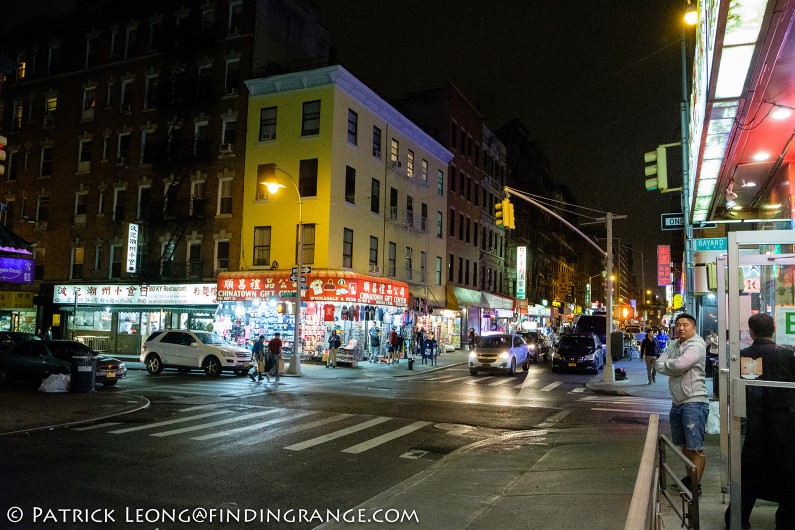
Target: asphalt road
299 444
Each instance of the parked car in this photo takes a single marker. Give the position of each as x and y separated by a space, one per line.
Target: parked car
109 370
499 352
30 360
11 338
579 351
537 344
185 350
596 323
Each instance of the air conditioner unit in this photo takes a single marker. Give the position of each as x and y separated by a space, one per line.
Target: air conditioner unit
375 269
121 162
396 163
377 154
225 148
267 136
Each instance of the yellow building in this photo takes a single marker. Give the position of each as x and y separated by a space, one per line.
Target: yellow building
372 191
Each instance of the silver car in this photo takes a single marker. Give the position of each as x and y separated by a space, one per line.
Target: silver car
501 352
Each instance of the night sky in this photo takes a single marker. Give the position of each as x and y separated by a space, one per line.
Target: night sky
597 83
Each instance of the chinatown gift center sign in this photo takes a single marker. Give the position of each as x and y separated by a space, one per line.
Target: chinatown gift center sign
320 286
137 294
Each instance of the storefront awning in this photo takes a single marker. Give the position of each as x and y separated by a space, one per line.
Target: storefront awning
10 242
468 297
323 285
497 302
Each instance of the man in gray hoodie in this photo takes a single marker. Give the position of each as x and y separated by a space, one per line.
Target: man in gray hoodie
684 361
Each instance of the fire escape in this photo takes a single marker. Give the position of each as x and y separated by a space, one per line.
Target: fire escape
175 156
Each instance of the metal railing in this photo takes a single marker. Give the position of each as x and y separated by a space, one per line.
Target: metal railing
643 509
686 506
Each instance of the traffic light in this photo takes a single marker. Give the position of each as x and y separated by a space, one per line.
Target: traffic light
658 170
3 155
504 214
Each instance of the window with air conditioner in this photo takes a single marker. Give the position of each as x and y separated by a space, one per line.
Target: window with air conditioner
267 124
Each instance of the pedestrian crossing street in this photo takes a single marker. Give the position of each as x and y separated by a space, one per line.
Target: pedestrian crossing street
299 429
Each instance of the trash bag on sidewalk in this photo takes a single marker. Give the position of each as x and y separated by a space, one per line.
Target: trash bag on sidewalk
56 383
713 420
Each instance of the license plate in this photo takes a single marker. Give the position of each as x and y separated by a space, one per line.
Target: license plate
111 374
573 364
245 365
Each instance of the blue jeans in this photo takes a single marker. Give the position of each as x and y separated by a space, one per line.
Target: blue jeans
688 423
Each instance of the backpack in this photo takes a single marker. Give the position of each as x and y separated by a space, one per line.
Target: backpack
621 374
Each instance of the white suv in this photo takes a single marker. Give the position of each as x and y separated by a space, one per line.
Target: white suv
499 352
185 350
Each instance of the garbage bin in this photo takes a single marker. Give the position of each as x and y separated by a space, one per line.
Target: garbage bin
84 373
617 344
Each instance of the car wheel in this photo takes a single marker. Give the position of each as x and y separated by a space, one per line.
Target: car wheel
153 364
473 372
512 370
526 364
212 367
109 383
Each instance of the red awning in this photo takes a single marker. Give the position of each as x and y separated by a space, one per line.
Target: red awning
324 285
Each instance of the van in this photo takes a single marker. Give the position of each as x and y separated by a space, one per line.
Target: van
596 324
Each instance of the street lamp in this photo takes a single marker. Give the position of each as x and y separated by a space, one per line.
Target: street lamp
273 187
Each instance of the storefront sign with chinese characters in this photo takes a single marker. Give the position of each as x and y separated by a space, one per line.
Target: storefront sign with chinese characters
137 294
16 270
132 248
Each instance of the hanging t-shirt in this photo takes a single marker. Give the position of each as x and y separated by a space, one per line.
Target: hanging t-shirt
356 312
328 313
344 315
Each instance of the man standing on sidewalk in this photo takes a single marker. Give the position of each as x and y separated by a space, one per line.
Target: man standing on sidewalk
683 361
649 351
768 462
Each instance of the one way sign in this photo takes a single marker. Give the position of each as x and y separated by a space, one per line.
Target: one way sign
672 221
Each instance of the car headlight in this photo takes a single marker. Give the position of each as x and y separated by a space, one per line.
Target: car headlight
122 366
473 355
531 346
591 357
228 353
504 356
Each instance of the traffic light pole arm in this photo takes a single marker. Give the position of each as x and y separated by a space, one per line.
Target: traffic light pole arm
518 193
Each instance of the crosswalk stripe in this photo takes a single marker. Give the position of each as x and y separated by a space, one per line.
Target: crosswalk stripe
500 382
214 423
97 426
456 379
295 415
579 389
337 434
170 422
378 440
551 386
181 390
299 428
479 380
199 407
435 378
628 411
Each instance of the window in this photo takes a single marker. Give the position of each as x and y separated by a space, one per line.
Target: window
438 270
39 256
451 179
424 170
475 274
347 248
115 261
221 255
409 263
451 222
232 79
424 217
394 150
235 17
119 204
225 196
114 37
84 157
89 102
262 246
155 35
410 163
81 205
466 230
123 149
109 95
200 142
144 201
50 106
460 226
45 167
131 39
462 184
392 258
8 213
376 142
310 119
307 178
77 263
423 266
204 85
43 209
460 270
13 166
466 273
439 225
101 202
409 211
308 244
375 196
475 234
92 50
147 147
353 124
373 252
126 96
151 92
197 198
229 133
208 20
195 260
393 203
350 185
54 59
267 124
450 263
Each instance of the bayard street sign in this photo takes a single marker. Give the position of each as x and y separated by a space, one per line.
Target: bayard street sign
672 221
